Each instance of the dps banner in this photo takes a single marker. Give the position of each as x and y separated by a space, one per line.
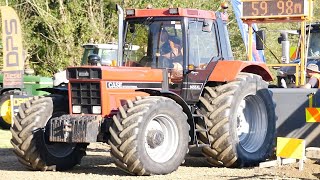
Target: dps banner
13 60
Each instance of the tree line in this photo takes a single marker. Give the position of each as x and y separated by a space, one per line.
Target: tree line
55 30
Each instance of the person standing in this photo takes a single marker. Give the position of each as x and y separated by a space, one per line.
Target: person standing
314 76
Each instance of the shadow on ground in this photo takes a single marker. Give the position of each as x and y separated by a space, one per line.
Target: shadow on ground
91 164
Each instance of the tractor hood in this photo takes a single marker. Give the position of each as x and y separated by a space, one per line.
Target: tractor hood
144 74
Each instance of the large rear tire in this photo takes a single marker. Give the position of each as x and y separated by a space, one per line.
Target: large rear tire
241 120
30 136
149 136
5 108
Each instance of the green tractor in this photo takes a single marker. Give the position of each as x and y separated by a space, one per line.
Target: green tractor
31 85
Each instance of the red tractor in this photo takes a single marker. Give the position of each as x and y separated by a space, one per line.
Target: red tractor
158 102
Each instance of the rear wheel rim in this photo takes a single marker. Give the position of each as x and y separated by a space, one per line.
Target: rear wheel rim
252 123
167 144
6 111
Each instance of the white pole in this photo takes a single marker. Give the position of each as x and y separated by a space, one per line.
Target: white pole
7 3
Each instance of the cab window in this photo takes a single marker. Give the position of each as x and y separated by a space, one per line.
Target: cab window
202 44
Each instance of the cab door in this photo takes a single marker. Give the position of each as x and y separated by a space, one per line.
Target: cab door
203 52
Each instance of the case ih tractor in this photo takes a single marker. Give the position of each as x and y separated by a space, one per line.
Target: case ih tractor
151 108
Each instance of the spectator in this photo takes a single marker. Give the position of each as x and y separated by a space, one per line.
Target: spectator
314 74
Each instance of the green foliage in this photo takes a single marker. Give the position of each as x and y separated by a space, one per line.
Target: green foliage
55 30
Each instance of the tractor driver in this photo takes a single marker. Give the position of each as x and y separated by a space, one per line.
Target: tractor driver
314 74
171 46
172 51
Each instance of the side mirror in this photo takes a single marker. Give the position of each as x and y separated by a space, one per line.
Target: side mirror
132 28
260 39
207 25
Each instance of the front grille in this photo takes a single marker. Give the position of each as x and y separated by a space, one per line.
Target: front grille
86 95
84 73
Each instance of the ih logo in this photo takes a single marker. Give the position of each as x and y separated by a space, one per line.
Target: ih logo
13 60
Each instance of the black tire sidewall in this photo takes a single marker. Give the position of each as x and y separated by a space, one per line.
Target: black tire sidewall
62 163
256 88
172 110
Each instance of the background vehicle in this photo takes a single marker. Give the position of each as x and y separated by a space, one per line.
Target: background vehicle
147 114
313 55
107 53
291 103
31 84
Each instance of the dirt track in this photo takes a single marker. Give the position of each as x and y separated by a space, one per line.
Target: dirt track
98 165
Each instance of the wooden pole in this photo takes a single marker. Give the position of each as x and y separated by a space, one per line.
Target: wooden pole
303 59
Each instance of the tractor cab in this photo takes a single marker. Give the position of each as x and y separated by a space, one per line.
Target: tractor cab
314 41
106 52
175 38
161 36
183 41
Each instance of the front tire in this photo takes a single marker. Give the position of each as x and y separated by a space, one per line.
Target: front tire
149 136
241 120
30 136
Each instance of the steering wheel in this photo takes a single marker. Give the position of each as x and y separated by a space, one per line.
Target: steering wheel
164 62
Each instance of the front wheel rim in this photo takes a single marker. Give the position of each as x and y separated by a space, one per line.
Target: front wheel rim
252 123
166 138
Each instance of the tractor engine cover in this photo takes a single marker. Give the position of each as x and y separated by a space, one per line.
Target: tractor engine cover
74 129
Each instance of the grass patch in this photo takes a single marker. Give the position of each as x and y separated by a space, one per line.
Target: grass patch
5 136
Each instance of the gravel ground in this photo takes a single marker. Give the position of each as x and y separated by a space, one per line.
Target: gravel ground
99 165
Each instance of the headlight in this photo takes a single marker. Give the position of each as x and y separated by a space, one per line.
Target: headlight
130 12
76 109
173 11
96 109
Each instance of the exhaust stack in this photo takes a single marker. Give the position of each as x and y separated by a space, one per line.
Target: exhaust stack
120 34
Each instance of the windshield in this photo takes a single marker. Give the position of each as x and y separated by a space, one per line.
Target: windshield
160 43
314 45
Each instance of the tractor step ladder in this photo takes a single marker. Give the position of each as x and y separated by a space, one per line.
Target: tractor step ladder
199 120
